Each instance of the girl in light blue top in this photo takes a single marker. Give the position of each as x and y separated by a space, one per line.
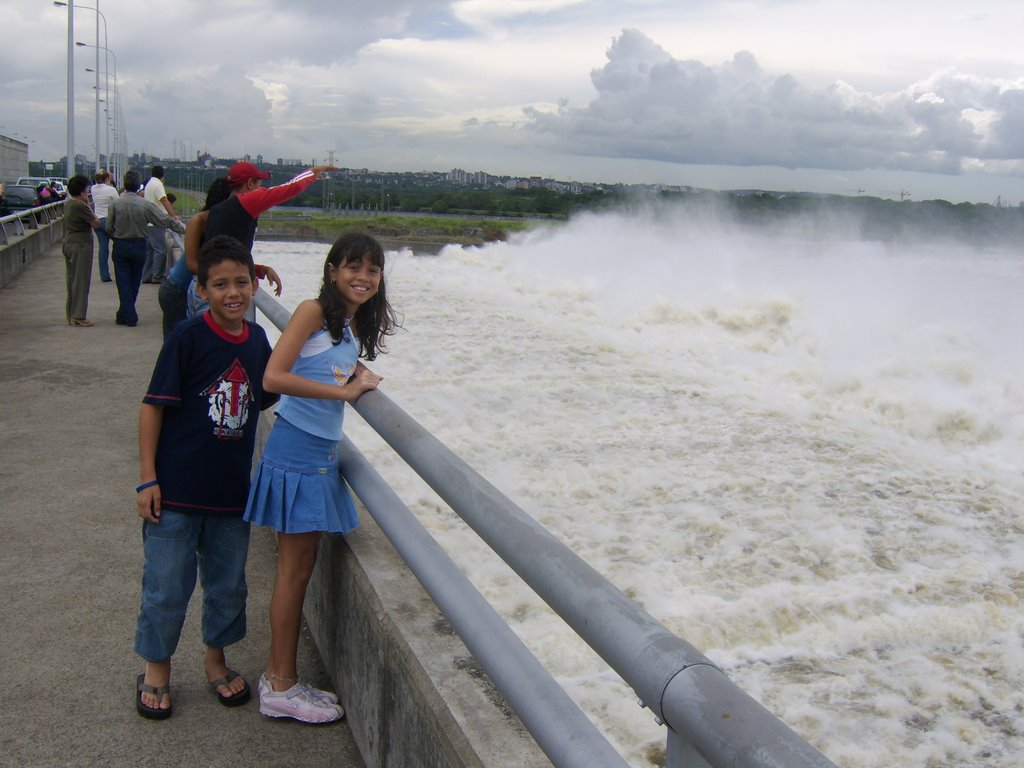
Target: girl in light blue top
297 490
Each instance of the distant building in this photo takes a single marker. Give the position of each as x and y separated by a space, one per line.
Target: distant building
13 159
476 179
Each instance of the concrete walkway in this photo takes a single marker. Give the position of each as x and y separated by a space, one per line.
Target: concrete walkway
70 559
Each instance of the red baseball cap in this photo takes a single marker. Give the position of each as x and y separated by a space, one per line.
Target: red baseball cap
244 171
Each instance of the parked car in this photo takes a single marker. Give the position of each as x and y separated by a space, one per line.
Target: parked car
34 181
20 196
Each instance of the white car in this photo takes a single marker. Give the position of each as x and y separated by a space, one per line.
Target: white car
33 181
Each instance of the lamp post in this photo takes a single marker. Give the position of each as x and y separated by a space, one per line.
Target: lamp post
115 123
110 110
70 166
99 16
117 98
113 118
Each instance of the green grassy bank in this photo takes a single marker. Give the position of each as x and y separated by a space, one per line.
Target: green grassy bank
422 232
389 228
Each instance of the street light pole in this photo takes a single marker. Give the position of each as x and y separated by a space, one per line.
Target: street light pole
114 118
99 16
70 169
110 110
117 96
97 169
106 85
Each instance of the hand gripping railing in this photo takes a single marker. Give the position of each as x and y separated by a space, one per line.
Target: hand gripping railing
711 721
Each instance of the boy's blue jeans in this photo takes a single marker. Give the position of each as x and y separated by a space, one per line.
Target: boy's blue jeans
218 547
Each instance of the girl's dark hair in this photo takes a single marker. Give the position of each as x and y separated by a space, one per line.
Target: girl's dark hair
218 192
373 320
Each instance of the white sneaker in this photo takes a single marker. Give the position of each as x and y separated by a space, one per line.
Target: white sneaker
321 694
300 702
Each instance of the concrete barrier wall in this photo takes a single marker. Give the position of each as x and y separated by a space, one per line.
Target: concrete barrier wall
414 695
22 251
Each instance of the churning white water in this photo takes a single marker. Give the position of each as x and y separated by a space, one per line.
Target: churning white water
801 455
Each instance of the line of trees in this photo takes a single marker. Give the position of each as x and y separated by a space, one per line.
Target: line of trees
862 217
874 218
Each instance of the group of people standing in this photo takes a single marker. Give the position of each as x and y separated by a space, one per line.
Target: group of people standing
127 226
214 374
131 234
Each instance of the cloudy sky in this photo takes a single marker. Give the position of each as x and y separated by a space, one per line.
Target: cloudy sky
920 96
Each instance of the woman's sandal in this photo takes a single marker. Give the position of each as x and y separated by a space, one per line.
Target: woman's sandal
232 700
80 322
152 713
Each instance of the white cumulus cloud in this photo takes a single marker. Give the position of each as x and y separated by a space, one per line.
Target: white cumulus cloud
653 106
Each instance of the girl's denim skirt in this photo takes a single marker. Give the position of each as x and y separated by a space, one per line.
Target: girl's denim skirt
297 487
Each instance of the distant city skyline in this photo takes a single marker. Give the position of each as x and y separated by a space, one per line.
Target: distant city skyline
805 95
143 161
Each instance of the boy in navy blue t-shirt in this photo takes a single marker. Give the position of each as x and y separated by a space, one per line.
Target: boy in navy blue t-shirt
197 430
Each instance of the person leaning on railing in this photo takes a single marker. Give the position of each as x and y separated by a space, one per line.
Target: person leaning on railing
127 218
238 213
44 195
177 296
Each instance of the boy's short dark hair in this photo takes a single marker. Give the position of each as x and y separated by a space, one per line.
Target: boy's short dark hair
132 180
222 248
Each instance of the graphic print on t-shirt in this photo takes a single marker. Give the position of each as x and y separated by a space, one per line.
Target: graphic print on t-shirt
340 376
230 396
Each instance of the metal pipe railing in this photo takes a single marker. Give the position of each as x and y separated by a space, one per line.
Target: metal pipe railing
719 723
554 720
560 728
21 221
681 686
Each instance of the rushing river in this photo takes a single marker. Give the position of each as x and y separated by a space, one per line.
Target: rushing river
803 456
